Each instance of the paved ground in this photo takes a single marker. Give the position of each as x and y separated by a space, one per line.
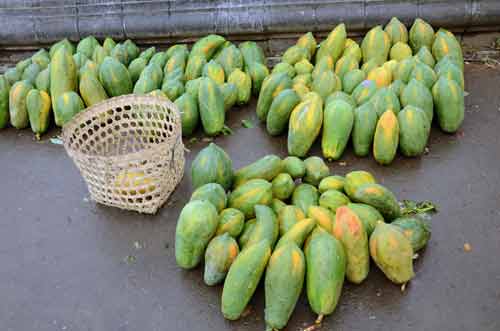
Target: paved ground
69 264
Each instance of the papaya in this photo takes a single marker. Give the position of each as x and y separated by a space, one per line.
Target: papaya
247 231
414 129
384 100
211 106
424 55
18 111
266 227
41 58
326 267
64 43
297 233
331 183
243 83
305 79
252 52
89 66
177 50
301 89
449 101
415 229
288 217
69 104
294 166
352 79
346 64
176 62
304 196
400 51
194 67
303 67
368 215
242 279
251 193
114 77
284 67
397 87
283 186
108 44
382 76
279 112
80 59
380 198
283 284
392 253
229 92
421 34
333 45
277 205
38 106
376 45
305 124
338 84
31 72
445 45
192 87
91 89
173 89
271 87
386 138
221 252
213 193
207 45
322 216
391 65
190 115
404 69
418 95
212 165
350 231
176 74
99 54
120 54
342 96
295 54
396 31
308 42
364 91
161 59
12 75
42 81
338 122
196 226
63 78
424 74
324 64
266 168
324 83
4 101
370 65
230 58
353 50
87 45
333 199
132 50
451 71
159 93
363 128
258 72
356 179
22 65
316 170
146 54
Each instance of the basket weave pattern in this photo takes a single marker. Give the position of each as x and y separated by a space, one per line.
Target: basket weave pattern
129 150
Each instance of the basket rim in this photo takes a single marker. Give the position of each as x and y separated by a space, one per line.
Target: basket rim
176 138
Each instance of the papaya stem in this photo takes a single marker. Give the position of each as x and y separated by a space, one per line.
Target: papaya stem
319 319
316 325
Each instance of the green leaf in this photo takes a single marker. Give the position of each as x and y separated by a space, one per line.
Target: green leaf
226 130
247 124
413 207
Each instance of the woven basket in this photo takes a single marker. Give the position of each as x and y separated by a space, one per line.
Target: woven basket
129 151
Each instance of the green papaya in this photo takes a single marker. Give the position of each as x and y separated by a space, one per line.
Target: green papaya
298 232
424 74
22 65
146 54
242 279
451 71
30 73
342 96
280 110
316 170
352 79
160 94
384 100
231 221
251 193
114 77
277 205
284 67
380 198
396 31
356 179
252 52
392 253
424 55
91 90
364 91
89 66
305 79
449 101
243 83
324 64
68 104
207 45
333 199
266 168
212 165
162 60
305 124
4 101
421 34
333 45
353 50
386 138
331 183
99 54
190 116
221 252
120 54
271 87
247 232
87 45
64 43
176 62
445 45
258 72
283 186
132 50
376 45
304 196
324 83
266 227
303 67
363 130
149 80
368 215
41 58
196 226
337 126
404 69
42 81
400 51
108 44
283 284
211 106
288 217
230 58
295 54
415 229
322 217
18 111
397 86
12 75
418 95
177 50
62 78
80 59
308 42
213 193
345 64
173 88
194 67
39 111
294 166
414 131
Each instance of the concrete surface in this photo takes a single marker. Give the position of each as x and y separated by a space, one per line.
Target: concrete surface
69 264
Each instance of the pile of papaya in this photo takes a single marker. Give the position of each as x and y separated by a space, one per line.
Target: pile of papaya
294 225
381 94
204 82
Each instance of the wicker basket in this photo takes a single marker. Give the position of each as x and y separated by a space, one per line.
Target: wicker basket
129 151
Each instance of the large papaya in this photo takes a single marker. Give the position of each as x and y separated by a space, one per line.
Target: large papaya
368 215
114 77
271 87
326 266
421 34
39 109
337 126
446 45
266 227
288 216
350 231
396 31
283 186
212 165
249 194
386 138
316 170
363 129
415 229
190 115
69 104
376 45
392 252
266 168
231 221
380 198
364 91
352 79
334 44
414 131
449 101
213 193
91 89
356 179
308 42
305 124
243 278
304 196
207 45
283 284
333 199
211 107
324 83
280 110
196 225
63 78
322 217
4 101
252 52
418 95
219 255
17 104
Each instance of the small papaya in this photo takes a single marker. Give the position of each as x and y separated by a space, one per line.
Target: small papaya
326 63
288 217
380 198
285 68
243 82
424 55
39 111
12 75
331 183
215 71
382 76
338 122
363 129
415 229
424 74
421 34
297 233
212 165
271 87
221 252
230 93
352 79
194 66
266 168
18 111
364 91
192 87
324 83
449 101
247 231
322 216
400 51
356 179
397 31
277 205
303 67
190 115
266 227
294 166
280 110
414 131
211 107
342 96
376 45
114 77
334 44
333 199
316 170
353 50
345 64
231 221
91 90
4 101
213 193
418 95
251 193
304 196
386 138
283 186
230 58
108 44
385 99
258 72
295 54
69 104
308 42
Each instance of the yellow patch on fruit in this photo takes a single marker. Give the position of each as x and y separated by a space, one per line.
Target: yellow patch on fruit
297 261
130 181
381 76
